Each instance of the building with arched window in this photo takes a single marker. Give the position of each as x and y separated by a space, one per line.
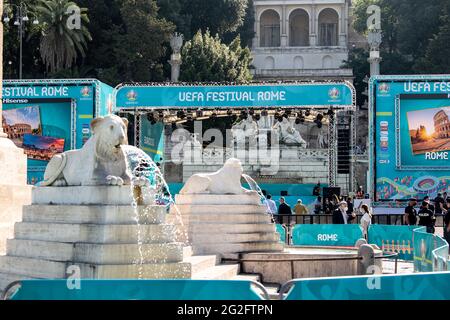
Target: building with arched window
442 124
302 39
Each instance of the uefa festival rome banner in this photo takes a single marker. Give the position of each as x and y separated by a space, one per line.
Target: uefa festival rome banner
409 136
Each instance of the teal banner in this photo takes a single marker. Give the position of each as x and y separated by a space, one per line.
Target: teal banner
409 136
397 239
423 248
282 232
45 117
137 290
152 139
326 235
430 252
428 286
264 95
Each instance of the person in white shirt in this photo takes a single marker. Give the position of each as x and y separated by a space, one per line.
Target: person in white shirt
366 219
270 205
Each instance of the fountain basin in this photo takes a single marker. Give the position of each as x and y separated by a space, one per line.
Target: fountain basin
322 262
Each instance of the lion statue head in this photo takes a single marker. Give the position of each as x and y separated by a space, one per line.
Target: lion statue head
110 133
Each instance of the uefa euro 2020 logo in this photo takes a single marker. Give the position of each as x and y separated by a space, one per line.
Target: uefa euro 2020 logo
85 92
383 88
132 95
334 93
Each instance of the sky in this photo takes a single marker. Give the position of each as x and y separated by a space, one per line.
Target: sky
43 142
28 115
424 118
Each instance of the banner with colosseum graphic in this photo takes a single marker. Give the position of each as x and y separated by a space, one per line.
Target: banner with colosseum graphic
410 136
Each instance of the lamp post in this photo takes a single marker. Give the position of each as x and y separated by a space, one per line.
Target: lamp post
20 19
374 38
175 59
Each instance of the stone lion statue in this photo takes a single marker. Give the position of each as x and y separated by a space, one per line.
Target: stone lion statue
101 161
227 180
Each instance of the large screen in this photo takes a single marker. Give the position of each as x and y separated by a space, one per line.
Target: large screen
410 143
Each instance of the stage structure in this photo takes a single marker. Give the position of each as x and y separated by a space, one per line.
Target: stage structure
409 137
45 117
278 115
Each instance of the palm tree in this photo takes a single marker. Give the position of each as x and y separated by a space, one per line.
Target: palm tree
61 43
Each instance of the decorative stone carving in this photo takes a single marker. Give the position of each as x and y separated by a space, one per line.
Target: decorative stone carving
288 134
227 180
247 128
101 161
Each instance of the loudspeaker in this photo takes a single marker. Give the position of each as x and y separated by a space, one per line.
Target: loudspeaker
329 192
343 150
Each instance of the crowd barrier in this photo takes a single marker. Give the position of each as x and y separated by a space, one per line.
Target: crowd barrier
339 235
397 239
418 286
430 251
137 290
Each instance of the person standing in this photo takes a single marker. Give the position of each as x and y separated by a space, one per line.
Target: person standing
360 193
300 208
366 219
316 190
426 217
270 205
284 208
350 205
411 213
430 205
439 203
340 215
318 205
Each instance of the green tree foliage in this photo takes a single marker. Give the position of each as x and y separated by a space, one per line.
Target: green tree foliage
61 43
408 28
437 55
206 58
227 18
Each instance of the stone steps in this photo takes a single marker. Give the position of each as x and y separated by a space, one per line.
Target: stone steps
219 272
222 218
70 214
95 253
38 268
86 195
247 277
251 198
235 237
91 233
230 209
201 262
222 228
224 248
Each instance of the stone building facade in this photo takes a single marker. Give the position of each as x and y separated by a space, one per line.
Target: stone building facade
302 39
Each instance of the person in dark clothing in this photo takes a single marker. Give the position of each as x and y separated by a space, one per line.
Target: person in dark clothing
430 205
316 190
411 213
439 203
426 217
350 205
341 215
284 208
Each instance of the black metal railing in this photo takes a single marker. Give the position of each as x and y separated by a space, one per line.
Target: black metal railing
388 219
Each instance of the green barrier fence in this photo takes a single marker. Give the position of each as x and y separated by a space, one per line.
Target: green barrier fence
419 286
430 251
282 231
397 239
139 290
340 235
